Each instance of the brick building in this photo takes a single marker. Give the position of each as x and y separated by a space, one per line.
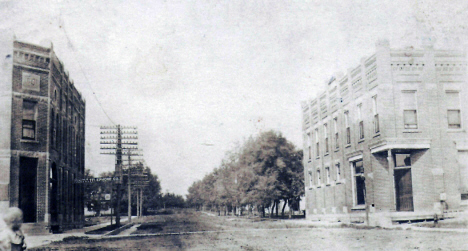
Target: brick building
388 139
42 137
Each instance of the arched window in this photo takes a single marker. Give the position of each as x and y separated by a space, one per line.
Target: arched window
57 130
52 127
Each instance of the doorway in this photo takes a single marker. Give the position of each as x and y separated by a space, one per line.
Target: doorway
53 188
27 188
403 190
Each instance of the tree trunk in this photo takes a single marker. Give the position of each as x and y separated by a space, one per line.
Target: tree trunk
290 212
272 209
277 207
263 211
282 210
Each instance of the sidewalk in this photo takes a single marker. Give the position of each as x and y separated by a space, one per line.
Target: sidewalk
40 240
407 226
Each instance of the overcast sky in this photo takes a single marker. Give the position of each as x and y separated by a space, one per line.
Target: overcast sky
196 77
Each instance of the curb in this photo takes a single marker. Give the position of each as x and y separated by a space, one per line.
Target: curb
119 230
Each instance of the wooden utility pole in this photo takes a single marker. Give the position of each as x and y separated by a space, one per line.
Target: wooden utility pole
129 188
130 178
114 138
141 202
118 170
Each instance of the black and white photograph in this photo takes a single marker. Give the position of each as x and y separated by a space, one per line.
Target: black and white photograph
233 125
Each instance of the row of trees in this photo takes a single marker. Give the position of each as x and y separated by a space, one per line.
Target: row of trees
153 199
260 174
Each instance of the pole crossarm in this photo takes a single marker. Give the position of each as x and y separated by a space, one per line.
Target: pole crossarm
122 137
114 142
123 152
123 148
122 132
118 126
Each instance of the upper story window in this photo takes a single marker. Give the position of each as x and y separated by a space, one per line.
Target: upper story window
319 179
335 128
325 132
327 171
453 109
57 130
309 144
60 101
348 129
338 172
410 109
376 114
52 127
360 121
311 178
29 120
317 144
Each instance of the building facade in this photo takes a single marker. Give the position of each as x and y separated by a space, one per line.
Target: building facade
389 137
42 137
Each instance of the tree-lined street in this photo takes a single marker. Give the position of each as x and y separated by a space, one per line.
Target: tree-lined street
195 230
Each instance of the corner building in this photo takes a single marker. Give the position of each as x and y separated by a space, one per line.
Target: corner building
388 139
42 137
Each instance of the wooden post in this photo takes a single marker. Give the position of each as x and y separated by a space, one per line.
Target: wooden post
141 202
391 170
138 202
129 188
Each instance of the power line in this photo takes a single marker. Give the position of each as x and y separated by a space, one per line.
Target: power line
86 77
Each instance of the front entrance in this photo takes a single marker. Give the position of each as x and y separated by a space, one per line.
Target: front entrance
53 188
27 188
403 190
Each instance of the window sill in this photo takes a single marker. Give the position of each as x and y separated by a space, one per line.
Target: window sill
317 157
328 184
318 186
342 181
309 161
377 135
348 145
456 130
326 154
359 207
29 141
401 167
360 141
412 131
337 149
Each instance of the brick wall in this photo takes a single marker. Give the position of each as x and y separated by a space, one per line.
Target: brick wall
386 75
47 149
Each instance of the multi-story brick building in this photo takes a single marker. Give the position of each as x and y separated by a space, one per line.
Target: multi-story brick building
389 137
42 136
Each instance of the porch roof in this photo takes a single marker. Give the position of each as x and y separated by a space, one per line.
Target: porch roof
400 143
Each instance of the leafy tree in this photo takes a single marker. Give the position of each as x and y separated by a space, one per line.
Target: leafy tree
171 200
263 172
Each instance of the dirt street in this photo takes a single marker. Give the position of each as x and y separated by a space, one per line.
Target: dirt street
190 230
